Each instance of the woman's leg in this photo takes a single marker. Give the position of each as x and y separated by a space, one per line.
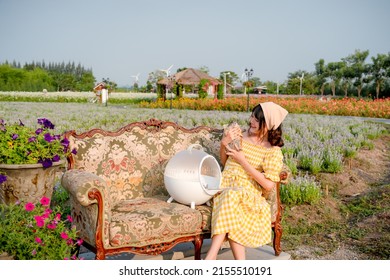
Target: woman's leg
238 250
216 243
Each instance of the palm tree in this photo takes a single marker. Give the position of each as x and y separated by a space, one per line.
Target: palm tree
380 70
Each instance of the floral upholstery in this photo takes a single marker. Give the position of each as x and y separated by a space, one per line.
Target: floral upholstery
141 221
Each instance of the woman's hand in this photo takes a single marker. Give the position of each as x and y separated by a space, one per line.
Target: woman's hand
231 135
238 156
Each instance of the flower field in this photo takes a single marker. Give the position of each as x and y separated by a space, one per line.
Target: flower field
313 143
379 108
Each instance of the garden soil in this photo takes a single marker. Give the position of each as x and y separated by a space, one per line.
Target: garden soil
367 172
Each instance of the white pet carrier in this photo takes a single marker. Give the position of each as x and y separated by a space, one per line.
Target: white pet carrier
192 176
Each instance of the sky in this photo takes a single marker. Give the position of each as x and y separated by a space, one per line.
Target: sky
118 39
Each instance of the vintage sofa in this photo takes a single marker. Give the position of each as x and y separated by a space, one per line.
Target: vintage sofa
117 194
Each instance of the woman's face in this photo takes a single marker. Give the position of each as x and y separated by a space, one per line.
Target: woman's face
254 123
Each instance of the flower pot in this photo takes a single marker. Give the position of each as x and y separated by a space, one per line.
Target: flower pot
28 182
5 256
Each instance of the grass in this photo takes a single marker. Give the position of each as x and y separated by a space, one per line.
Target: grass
363 224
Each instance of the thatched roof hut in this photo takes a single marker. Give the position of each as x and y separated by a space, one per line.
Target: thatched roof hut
190 76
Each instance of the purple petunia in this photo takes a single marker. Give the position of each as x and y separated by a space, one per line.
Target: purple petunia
46 163
48 137
65 143
56 158
32 139
2 125
46 123
38 131
15 136
3 178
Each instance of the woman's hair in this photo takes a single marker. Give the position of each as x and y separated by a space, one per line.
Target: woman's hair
274 136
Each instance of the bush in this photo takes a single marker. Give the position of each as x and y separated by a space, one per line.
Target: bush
36 232
300 190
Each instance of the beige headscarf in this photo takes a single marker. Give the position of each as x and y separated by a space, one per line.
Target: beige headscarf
274 114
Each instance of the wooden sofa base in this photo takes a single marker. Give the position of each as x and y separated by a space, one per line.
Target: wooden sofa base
155 249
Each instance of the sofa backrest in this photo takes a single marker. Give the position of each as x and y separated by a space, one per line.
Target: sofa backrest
132 160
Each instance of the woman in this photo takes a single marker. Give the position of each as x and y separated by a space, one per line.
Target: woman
240 212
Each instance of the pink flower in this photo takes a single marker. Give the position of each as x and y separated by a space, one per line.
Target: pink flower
64 235
45 215
38 240
45 201
51 226
69 242
34 252
29 207
69 218
79 242
40 221
58 217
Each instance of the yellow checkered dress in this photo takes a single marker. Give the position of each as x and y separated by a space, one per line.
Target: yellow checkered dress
240 210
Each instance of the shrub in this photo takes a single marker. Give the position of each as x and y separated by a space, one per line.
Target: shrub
36 232
300 190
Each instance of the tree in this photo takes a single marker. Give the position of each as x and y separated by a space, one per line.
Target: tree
320 71
294 82
334 73
356 68
149 86
204 69
256 81
379 70
86 82
231 78
272 87
346 77
111 85
11 78
156 76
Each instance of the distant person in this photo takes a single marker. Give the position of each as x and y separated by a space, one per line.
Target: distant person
241 214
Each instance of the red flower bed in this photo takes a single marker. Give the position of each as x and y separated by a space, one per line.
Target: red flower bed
378 108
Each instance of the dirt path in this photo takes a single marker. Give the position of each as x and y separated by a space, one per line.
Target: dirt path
354 215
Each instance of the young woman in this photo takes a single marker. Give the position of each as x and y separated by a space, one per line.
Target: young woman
241 214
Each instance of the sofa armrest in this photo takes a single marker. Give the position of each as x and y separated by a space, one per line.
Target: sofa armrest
80 183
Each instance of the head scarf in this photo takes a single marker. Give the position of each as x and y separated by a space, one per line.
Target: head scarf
274 114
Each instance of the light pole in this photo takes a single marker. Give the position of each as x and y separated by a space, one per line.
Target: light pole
224 82
170 86
248 74
300 85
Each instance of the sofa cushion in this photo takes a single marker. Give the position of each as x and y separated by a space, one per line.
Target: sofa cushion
144 221
206 211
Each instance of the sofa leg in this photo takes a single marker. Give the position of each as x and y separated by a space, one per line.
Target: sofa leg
100 256
198 242
277 237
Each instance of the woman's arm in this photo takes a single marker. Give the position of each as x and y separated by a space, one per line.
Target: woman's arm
226 139
222 154
258 176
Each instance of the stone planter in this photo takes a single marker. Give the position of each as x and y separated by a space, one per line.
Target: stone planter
28 182
5 256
